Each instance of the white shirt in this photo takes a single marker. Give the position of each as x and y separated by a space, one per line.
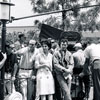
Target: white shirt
79 57
92 52
27 57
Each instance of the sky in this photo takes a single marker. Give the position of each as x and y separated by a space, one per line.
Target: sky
22 8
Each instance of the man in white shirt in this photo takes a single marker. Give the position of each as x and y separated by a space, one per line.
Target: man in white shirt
26 69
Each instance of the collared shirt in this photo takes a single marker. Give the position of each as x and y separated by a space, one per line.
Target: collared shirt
27 57
79 58
59 62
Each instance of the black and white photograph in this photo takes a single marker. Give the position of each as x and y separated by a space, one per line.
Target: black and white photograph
49 49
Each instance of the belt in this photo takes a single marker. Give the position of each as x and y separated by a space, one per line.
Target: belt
26 68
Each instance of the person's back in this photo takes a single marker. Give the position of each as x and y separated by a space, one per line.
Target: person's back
92 52
79 58
79 61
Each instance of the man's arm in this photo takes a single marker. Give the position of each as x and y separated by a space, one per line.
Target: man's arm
21 51
70 64
56 63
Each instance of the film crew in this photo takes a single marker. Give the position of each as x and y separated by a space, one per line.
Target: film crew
27 69
63 65
44 78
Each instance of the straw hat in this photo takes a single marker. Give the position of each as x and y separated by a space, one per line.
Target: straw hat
78 45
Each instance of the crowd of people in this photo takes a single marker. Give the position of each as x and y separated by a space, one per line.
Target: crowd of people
45 70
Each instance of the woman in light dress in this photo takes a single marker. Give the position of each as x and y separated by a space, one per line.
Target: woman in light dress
44 77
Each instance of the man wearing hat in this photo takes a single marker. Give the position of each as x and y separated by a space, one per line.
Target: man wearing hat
26 68
79 60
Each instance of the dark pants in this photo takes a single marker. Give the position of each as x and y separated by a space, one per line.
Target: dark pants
57 95
96 79
64 87
86 80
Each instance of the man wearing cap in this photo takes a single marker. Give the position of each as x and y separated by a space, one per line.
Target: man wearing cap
26 68
79 60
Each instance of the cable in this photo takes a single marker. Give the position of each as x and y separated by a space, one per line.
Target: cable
52 12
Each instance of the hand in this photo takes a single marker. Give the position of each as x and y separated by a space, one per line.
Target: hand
81 75
67 71
13 78
33 77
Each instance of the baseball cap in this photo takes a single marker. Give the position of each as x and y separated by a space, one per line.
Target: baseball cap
78 45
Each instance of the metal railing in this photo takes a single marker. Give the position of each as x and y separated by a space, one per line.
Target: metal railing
16 82
14 86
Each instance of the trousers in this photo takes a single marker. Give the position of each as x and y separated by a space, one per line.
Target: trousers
64 87
96 79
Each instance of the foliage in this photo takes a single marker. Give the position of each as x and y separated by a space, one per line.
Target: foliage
31 34
84 20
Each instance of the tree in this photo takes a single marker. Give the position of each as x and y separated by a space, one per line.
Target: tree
91 18
83 20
